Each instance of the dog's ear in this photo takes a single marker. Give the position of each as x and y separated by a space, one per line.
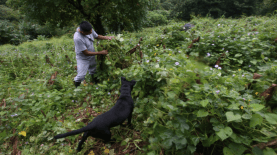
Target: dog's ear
123 79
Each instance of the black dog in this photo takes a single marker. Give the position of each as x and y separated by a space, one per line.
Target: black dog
100 126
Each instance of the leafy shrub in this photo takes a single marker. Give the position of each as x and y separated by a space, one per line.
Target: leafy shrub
154 18
7 13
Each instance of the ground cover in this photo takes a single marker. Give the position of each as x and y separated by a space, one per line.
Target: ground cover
187 100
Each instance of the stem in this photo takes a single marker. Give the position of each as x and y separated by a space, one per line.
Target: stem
13 67
213 150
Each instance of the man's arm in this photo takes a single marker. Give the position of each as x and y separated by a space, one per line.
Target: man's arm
89 53
100 37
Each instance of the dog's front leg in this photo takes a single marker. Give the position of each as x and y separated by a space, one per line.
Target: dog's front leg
129 120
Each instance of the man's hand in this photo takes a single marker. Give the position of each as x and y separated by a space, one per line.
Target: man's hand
104 52
110 37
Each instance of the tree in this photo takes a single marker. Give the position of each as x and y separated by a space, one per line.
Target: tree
215 8
116 15
3 2
269 7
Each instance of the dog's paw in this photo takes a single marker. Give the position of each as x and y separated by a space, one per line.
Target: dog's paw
111 141
79 149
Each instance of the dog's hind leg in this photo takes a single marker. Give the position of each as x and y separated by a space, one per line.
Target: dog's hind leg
106 136
84 138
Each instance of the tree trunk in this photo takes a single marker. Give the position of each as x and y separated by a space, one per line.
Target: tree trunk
98 27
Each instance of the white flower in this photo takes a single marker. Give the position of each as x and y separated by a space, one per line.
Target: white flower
219 67
208 54
227 51
233 75
212 44
217 91
109 93
242 75
179 51
216 66
176 63
218 25
147 61
211 68
96 87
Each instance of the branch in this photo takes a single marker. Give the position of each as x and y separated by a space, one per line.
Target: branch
79 7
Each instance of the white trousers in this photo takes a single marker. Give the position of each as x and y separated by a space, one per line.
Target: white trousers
83 66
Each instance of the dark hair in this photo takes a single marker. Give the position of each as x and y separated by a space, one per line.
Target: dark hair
85 26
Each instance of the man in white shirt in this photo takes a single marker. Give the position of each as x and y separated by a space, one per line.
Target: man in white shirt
85 52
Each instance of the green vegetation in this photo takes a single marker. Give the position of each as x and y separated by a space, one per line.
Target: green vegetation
114 15
182 101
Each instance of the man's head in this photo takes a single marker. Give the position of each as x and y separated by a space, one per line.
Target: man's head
85 28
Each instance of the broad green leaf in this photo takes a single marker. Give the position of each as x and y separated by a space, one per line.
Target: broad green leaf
232 117
208 142
240 61
202 113
195 140
224 133
271 118
180 142
254 61
191 148
237 149
151 153
269 151
268 133
257 151
255 120
204 103
234 106
167 143
2 113
174 80
256 107
238 55
227 151
246 116
171 95
183 123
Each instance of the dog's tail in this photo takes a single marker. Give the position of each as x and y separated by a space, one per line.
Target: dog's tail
74 132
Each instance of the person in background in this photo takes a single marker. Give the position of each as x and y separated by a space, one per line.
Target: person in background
85 52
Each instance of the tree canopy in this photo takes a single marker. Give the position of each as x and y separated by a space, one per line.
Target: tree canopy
215 8
114 15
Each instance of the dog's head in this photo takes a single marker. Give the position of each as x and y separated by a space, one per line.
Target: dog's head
125 83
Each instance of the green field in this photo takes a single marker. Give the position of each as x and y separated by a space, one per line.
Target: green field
183 103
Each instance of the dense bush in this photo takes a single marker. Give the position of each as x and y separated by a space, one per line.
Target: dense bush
214 8
7 13
155 18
